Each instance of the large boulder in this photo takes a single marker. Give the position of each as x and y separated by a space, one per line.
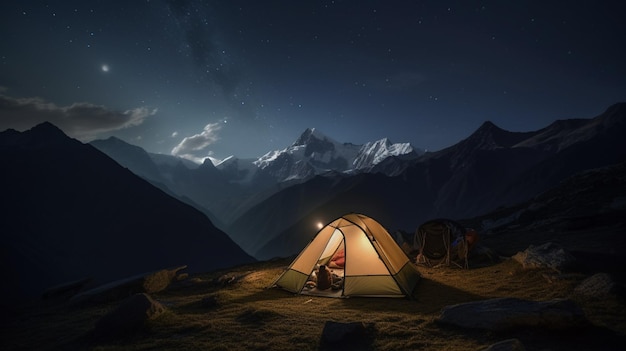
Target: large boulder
597 286
149 283
507 313
548 255
130 316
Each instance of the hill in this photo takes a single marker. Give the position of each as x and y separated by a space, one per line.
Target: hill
489 169
70 212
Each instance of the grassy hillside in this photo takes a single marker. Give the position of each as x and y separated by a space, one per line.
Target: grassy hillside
204 313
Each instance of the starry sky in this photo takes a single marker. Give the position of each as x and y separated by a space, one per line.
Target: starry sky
228 77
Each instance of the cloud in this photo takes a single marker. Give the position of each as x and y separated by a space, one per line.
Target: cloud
190 146
83 121
174 134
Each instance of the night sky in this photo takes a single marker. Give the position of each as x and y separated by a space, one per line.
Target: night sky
217 78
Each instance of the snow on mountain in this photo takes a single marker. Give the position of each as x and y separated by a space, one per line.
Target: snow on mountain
238 170
317 149
373 153
314 153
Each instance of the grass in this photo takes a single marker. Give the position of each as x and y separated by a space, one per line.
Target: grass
203 314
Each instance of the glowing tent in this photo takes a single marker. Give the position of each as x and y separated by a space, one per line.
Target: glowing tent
362 257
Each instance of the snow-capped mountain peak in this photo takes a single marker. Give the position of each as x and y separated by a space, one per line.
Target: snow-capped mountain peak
373 153
310 135
317 149
315 153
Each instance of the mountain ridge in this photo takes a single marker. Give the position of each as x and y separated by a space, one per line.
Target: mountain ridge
474 176
71 212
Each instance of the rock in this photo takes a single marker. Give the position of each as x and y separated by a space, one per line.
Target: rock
354 333
597 286
131 315
143 283
548 255
507 313
507 345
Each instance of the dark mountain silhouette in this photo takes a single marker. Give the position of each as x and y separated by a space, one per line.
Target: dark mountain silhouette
585 213
69 212
489 169
215 192
229 190
203 187
130 156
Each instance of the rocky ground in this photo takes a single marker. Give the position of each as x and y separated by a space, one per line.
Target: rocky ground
514 302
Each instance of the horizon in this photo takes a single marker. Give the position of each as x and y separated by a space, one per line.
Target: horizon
215 161
212 79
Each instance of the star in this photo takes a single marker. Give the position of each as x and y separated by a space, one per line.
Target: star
105 68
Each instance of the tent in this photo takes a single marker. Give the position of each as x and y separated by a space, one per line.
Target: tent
443 242
364 260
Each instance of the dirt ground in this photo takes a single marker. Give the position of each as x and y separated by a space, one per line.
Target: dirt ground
247 315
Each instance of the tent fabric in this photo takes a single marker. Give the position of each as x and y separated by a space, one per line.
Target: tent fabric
441 242
373 263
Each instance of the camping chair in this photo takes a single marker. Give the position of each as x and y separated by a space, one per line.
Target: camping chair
436 248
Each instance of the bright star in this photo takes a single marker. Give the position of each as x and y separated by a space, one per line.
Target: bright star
105 68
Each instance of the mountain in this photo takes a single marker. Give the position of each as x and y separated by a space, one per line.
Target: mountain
202 186
585 213
71 212
162 171
171 161
233 186
314 153
374 153
489 169
130 156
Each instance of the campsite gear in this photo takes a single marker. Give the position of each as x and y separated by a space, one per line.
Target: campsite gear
324 278
441 242
471 237
373 264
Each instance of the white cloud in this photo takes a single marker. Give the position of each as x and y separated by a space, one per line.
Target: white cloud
83 121
190 146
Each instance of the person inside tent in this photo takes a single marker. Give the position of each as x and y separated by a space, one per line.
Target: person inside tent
324 278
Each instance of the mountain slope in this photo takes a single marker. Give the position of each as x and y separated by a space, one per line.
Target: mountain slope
489 169
585 213
72 212
203 186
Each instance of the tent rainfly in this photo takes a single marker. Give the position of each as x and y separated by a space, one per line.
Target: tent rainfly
363 259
